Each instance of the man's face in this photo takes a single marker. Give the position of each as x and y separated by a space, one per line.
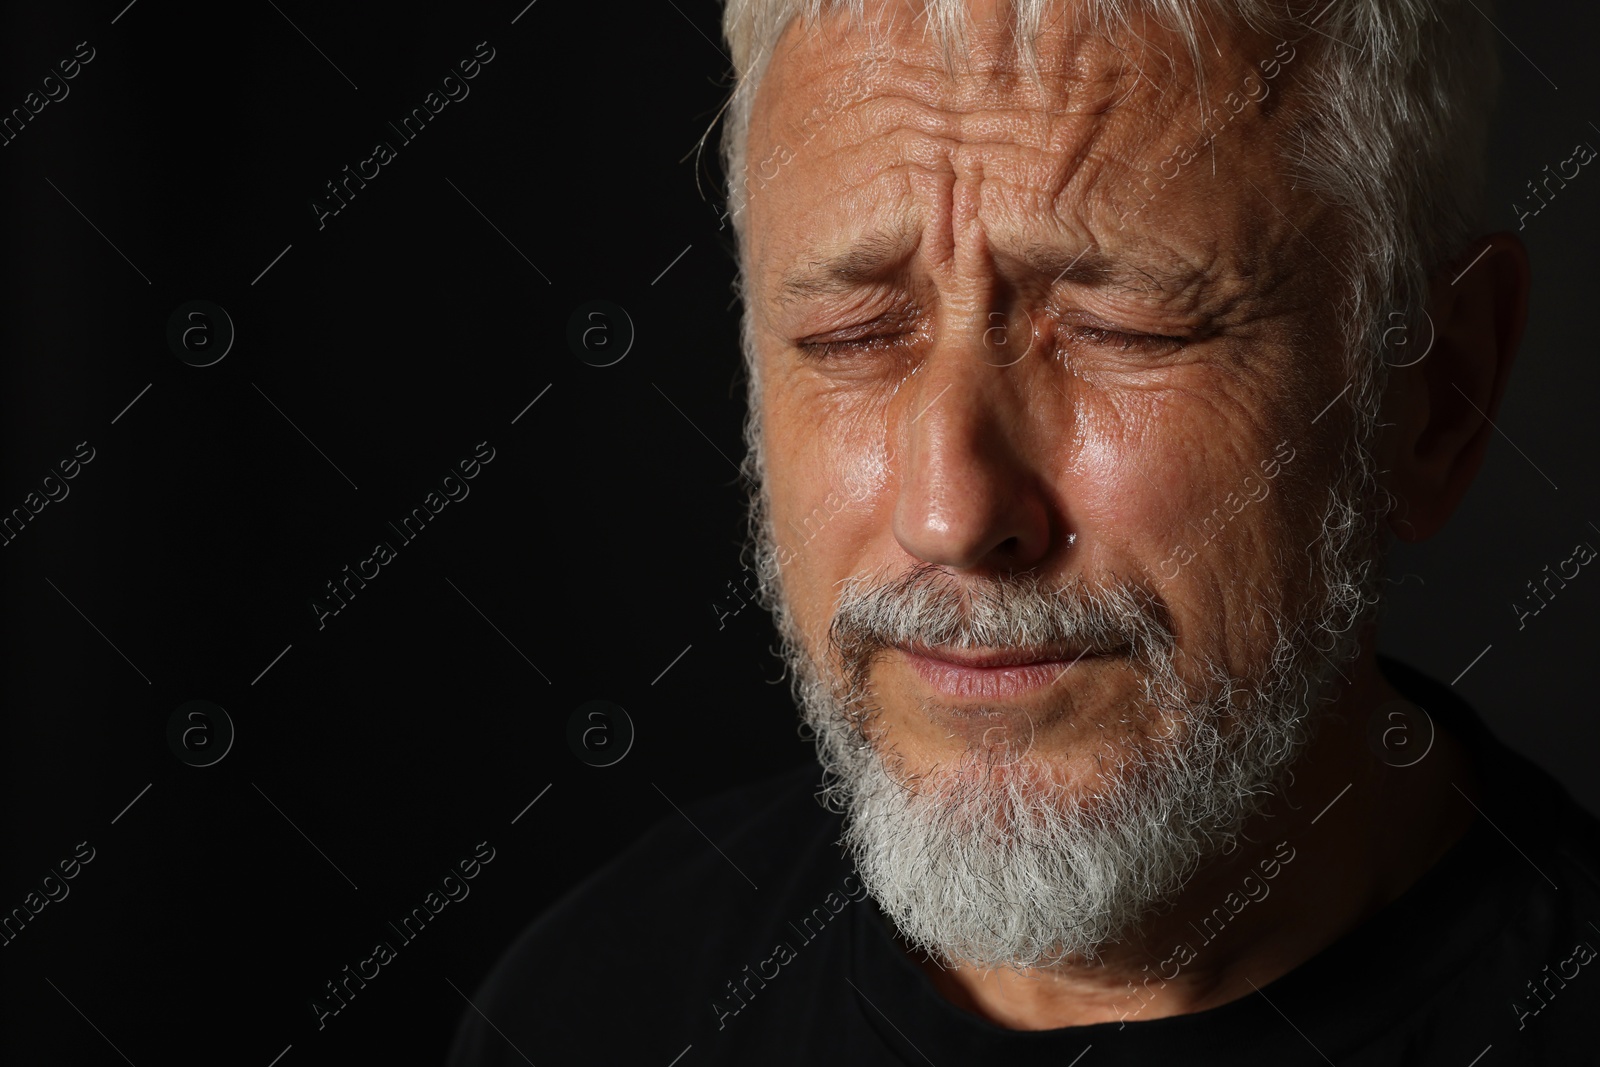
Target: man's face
1022 346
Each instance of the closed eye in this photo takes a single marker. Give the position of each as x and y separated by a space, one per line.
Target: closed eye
890 330
1122 341
1074 333
854 346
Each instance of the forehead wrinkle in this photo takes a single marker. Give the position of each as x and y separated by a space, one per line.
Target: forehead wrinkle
1052 175
1076 74
1028 146
985 41
884 251
1091 80
1087 80
1012 222
1060 60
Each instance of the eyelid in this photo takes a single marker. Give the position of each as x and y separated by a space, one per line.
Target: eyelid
1129 338
846 336
1131 317
889 326
823 350
1082 318
1082 327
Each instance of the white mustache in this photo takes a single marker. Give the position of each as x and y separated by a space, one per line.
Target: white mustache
926 607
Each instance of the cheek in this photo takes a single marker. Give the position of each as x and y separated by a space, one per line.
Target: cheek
1148 487
827 472
824 437
1143 464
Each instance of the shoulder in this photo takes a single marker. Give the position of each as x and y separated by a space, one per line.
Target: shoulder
1518 798
700 883
1527 877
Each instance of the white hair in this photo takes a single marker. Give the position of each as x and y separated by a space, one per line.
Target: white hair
1397 97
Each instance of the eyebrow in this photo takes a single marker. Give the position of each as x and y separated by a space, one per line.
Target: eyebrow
875 256
880 253
1091 267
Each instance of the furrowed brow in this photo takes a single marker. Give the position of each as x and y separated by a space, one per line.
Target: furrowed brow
1091 267
879 253
874 256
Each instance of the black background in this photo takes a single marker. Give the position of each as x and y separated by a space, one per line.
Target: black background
376 752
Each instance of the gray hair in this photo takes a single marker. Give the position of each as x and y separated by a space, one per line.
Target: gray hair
1398 94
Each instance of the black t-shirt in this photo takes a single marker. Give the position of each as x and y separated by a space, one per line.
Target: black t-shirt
763 949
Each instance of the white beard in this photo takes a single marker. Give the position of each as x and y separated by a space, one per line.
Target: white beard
998 860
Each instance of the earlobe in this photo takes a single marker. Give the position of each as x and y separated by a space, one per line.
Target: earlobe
1443 406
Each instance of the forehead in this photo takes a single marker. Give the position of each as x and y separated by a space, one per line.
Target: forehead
866 148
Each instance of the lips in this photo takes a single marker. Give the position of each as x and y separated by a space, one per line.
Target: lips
991 674
992 658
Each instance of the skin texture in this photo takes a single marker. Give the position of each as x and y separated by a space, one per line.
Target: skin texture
989 412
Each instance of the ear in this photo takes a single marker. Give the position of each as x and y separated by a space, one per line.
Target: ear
1441 407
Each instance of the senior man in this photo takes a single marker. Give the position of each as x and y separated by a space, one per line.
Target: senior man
1097 309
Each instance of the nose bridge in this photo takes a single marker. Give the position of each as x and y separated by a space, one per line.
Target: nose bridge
967 385
975 382
970 491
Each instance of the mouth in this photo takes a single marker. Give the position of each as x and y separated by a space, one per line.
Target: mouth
1000 672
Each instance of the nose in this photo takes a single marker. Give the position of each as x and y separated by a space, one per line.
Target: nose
972 495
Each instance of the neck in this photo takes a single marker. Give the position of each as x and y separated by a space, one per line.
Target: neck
1351 834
